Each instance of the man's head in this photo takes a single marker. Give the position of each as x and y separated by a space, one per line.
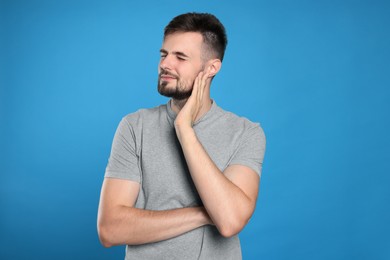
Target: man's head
192 43
212 30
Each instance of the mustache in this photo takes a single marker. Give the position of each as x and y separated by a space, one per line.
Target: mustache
167 73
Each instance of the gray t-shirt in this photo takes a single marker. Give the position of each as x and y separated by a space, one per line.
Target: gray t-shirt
146 150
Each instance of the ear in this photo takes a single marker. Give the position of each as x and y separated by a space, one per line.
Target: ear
214 65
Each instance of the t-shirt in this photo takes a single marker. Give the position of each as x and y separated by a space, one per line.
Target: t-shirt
146 150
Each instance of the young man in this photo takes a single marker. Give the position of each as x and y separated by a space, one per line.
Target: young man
182 179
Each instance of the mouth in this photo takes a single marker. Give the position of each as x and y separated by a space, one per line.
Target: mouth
166 77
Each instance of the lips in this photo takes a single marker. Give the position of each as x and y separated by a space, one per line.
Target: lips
167 77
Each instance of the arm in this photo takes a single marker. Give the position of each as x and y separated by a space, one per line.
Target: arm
230 196
120 223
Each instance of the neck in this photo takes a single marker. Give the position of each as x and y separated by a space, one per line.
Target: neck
177 105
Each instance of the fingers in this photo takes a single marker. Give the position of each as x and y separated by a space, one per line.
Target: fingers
201 82
196 99
204 77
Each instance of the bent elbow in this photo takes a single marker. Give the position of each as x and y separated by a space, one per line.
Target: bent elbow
231 228
105 241
227 233
104 235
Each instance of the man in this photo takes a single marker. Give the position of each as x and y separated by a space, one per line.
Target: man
182 179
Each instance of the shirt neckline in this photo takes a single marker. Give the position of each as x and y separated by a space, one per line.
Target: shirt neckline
172 115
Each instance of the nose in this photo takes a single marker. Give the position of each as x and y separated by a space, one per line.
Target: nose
166 63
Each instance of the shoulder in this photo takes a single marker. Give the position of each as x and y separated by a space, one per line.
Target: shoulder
247 139
143 114
236 122
133 123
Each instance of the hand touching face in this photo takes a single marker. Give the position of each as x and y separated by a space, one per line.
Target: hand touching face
189 113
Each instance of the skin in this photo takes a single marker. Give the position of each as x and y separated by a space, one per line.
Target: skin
229 197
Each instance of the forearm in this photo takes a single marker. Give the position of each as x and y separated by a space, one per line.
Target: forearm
127 225
228 206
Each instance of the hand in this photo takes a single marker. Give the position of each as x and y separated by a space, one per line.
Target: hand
205 216
188 114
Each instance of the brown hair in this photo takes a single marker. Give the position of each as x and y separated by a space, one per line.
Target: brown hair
212 30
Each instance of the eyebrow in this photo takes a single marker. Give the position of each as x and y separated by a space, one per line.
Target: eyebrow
178 53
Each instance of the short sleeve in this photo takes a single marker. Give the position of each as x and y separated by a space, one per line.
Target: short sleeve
124 158
251 149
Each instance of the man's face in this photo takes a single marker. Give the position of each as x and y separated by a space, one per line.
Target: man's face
180 64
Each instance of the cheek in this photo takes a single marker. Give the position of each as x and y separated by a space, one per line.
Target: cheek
186 83
188 73
191 75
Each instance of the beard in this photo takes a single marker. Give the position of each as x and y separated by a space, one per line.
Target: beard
181 91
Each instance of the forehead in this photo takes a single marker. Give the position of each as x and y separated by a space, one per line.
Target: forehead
189 43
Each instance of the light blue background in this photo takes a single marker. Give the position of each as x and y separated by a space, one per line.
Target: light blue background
315 74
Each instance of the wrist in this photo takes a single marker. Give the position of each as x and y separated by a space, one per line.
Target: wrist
204 217
183 131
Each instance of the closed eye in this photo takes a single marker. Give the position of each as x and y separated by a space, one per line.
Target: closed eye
163 53
179 55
